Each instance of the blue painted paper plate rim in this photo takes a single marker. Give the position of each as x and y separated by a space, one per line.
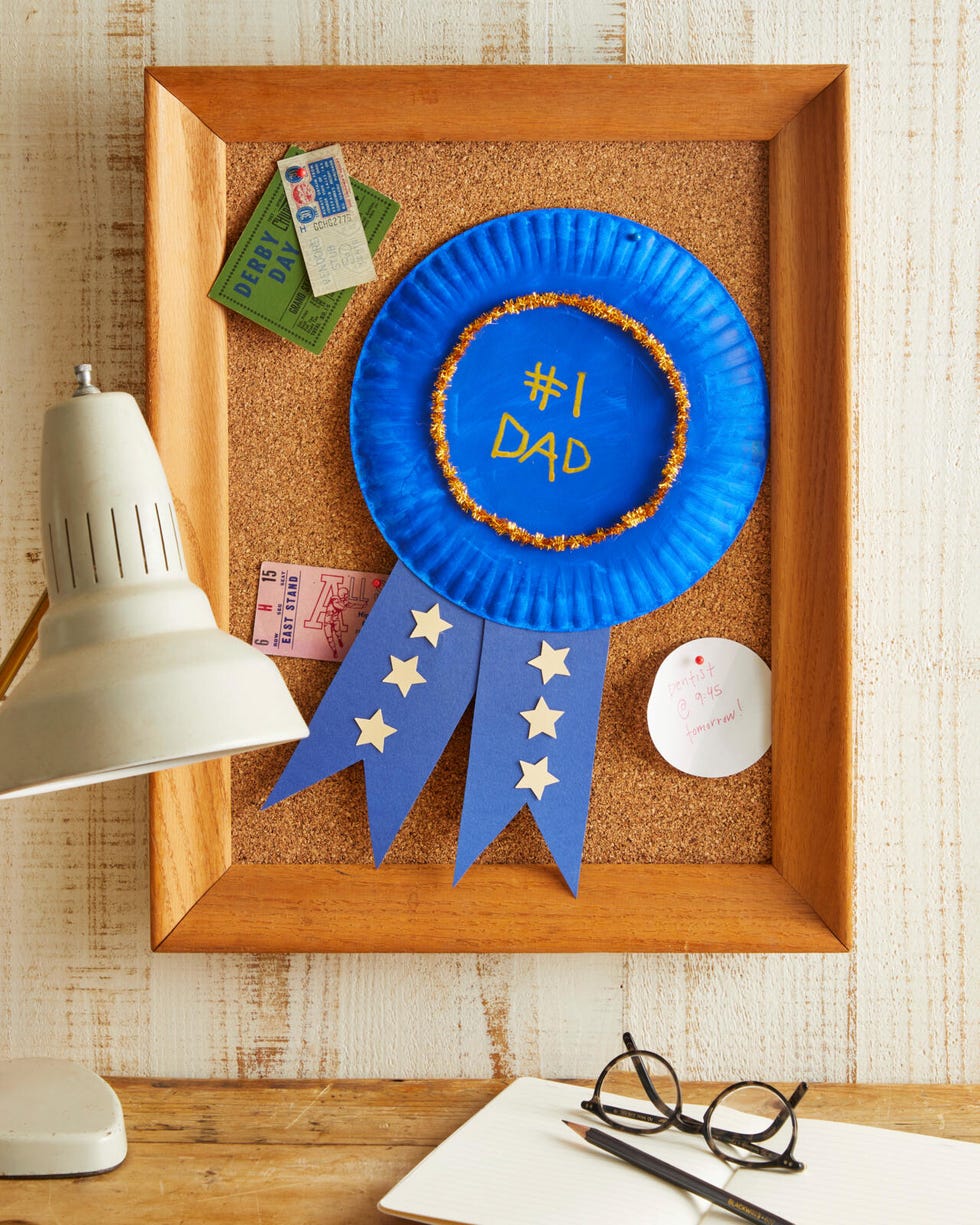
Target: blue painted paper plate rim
648 277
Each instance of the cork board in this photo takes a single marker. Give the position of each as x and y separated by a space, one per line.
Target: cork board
294 497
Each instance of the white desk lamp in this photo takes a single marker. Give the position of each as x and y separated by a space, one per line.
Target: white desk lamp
133 676
133 673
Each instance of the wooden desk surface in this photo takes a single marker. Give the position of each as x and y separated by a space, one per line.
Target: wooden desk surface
326 1151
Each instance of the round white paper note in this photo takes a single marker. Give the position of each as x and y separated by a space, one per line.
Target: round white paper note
710 711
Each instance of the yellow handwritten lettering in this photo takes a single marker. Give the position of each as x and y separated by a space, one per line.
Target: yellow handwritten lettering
587 458
544 446
497 451
511 442
545 385
577 406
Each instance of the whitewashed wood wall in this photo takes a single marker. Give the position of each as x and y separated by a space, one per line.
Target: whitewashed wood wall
76 975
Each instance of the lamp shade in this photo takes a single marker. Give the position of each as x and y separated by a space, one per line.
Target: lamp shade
133 674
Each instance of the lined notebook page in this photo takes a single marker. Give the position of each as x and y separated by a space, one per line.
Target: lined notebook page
868 1176
516 1162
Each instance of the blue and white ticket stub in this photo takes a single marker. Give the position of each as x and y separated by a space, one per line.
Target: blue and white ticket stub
331 235
311 612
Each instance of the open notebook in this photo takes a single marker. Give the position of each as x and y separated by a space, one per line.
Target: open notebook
515 1163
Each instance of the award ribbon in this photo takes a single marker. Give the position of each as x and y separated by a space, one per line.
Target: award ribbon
401 691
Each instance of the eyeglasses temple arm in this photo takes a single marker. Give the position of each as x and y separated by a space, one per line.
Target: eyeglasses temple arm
797 1095
648 1086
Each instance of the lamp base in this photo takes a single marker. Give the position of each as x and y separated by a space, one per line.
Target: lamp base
57 1120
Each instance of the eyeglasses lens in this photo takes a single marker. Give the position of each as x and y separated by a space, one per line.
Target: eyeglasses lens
749 1117
639 1093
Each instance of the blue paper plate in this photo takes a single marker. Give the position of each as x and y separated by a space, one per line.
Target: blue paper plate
558 419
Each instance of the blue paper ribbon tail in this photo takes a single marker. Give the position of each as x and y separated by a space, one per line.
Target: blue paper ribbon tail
283 789
534 732
570 866
568 859
390 800
475 835
309 763
393 704
384 831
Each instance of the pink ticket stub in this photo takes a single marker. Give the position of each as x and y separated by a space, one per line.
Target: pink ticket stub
311 612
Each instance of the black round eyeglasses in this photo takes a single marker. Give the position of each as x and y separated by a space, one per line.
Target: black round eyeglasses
749 1123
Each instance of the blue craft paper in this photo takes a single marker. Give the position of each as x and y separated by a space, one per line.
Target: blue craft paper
507 685
425 717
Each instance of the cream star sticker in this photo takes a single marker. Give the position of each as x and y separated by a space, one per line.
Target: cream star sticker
535 777
429 625
404 673
550 662
374 731
541 720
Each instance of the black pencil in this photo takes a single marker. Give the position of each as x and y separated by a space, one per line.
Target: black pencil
679 1178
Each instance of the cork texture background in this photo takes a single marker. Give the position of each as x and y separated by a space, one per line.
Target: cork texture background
294 497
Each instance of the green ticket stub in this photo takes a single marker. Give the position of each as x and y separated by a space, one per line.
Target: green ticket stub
265 279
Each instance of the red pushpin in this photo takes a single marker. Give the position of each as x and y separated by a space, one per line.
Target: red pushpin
699 660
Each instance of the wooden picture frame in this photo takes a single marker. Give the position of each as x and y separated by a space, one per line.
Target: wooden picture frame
801 900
